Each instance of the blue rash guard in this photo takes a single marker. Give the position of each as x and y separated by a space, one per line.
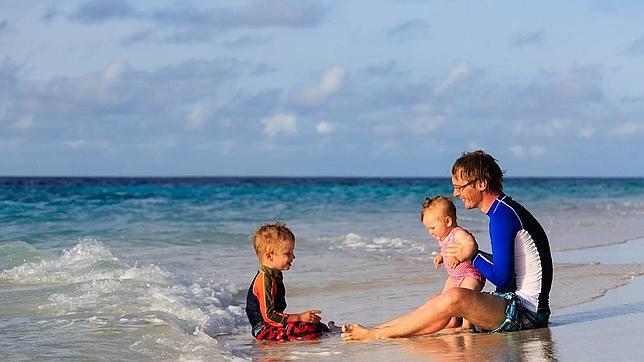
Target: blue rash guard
522 262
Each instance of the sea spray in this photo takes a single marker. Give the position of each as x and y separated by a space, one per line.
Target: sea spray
88 286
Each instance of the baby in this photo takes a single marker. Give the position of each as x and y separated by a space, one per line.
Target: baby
439 217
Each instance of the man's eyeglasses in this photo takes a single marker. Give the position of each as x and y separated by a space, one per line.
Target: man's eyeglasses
460 188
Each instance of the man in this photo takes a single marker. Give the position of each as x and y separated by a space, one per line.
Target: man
520 264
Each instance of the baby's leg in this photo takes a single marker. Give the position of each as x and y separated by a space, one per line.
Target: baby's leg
473 284
448 284
454 322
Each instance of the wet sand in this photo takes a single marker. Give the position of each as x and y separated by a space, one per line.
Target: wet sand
598 314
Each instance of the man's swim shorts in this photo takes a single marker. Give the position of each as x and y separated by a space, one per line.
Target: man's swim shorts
517 318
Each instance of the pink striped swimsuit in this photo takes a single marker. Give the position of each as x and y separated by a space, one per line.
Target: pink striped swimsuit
462 270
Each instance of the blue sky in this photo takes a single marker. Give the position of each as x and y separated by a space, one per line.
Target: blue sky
320 88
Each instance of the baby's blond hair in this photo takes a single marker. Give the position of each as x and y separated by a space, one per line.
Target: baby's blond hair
442 204
271 237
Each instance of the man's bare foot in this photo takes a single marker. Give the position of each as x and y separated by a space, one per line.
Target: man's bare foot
356 332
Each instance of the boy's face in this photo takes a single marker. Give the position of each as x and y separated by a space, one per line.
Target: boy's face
437 226
282 258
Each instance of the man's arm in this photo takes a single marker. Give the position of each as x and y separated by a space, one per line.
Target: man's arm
500 271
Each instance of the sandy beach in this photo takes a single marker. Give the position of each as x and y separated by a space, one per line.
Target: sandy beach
598 313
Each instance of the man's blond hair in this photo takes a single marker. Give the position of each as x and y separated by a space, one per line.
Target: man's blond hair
479 166
271 237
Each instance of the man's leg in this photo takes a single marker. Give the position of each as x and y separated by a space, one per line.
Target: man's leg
475 285
483 310
412 314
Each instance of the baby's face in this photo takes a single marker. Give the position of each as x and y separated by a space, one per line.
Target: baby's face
436 225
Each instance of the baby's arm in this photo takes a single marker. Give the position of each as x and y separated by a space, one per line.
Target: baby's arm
309 316
438 260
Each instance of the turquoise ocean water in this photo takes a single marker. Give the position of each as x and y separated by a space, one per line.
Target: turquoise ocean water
157 268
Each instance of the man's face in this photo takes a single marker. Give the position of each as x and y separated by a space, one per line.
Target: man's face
467 190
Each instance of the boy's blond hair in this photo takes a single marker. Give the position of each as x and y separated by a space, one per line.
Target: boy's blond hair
271 237
442 204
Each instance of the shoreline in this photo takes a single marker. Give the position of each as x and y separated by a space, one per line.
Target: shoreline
595 302
610 314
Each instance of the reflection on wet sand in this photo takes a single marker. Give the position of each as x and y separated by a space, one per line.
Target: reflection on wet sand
533 345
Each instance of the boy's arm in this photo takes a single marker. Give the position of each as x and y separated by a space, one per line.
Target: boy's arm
264 289
309 316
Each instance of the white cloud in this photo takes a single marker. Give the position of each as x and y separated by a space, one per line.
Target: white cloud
458 74
524 39
523 151
425 121
385 147
75 143
12 144
157 145
556 127
586 132
318 93
284 123
626 129
25 123
324 127
220 147
517 151
114 72
425 124
537 151
384 129
198 117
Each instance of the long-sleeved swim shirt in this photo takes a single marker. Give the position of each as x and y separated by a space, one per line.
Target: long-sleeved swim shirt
265 300
520 261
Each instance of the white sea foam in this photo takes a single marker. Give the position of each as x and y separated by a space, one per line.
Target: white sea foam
381 245
89 285
74 265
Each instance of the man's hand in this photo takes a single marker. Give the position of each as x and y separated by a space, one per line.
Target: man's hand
463 248
452 262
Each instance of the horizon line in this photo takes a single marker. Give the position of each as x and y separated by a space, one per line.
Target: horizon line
299 177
